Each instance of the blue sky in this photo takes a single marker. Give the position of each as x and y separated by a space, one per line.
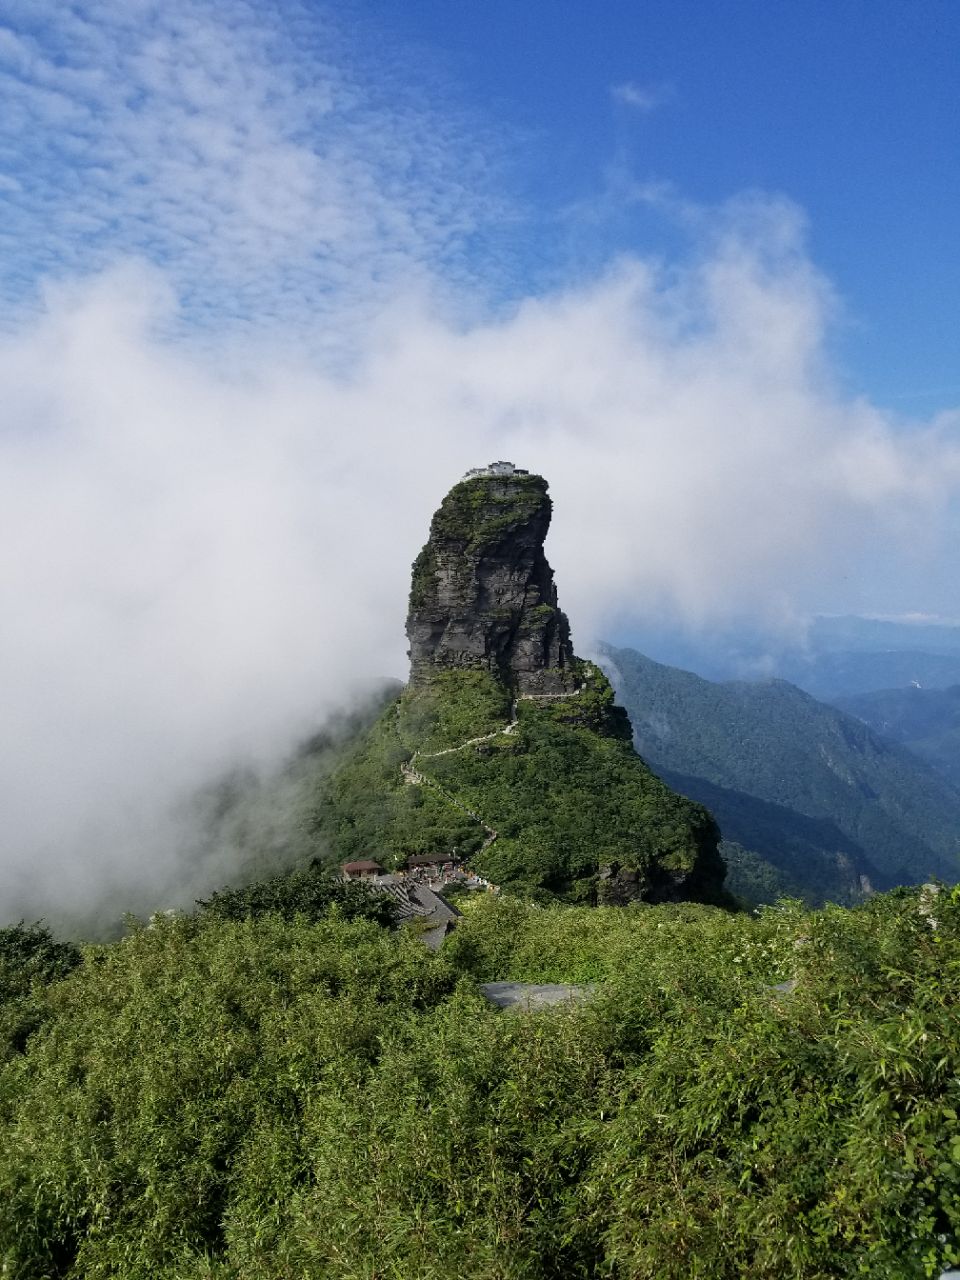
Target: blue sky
850 109
514 143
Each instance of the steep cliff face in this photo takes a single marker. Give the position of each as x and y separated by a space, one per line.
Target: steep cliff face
483 595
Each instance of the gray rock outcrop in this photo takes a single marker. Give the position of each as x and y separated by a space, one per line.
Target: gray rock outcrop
483 593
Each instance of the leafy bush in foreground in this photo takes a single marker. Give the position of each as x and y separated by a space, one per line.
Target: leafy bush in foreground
29 953
261 1097
30 959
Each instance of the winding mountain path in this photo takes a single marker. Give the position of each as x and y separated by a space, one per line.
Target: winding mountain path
414 776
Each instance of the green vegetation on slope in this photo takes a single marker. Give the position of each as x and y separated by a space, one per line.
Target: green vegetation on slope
772 763
478 511
563 790
245 825
809 858
30 959
212 1098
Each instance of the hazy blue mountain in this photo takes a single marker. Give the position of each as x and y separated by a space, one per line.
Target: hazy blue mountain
838 656
882 635
926 721
844 673
809 796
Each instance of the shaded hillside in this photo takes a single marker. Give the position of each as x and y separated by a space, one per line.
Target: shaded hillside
773 851
925 721
882 814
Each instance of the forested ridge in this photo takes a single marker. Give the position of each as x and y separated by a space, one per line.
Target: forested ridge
810 801
927 721
555 778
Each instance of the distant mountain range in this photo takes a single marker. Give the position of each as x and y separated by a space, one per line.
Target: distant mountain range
926 721
839 656
882 635
843 673
810 800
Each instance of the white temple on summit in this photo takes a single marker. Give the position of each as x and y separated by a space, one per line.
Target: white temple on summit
499 468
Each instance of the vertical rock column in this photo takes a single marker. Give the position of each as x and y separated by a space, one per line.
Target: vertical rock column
483 594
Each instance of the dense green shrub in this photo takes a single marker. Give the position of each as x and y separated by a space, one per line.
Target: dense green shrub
307 891
223 1098
177 1065
566 799
29 953
30 959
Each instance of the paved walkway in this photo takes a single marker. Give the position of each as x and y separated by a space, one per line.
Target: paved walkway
530 996
412 775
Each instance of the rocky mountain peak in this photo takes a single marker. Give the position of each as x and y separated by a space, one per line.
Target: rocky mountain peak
482 594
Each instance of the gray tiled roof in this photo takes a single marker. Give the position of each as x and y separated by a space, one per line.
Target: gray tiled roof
416 901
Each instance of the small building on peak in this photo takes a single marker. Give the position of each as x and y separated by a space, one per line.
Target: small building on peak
498 468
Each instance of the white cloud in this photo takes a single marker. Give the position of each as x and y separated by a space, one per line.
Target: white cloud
237 144
641 97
